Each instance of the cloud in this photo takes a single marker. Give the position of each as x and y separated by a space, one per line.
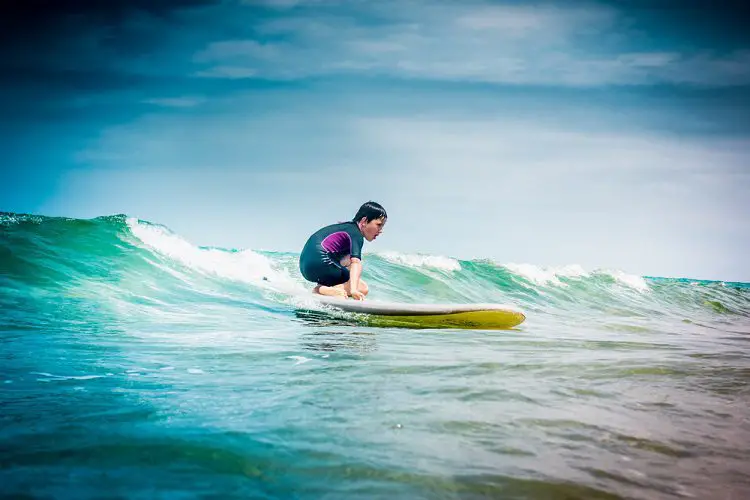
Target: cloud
175 102
231 72
54 55
546 154
571 45
228 50
512 21
43 32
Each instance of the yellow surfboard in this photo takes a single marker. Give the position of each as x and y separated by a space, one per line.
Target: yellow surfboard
395 314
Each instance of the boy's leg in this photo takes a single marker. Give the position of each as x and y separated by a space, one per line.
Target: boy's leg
343 290
363 288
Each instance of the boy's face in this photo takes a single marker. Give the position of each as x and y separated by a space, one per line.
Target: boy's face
371 230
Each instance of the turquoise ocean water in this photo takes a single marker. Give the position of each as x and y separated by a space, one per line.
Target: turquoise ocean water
138 365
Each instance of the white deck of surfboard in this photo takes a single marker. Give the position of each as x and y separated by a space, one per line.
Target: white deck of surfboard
405 309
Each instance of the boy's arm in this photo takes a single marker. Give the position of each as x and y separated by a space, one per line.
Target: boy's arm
354 274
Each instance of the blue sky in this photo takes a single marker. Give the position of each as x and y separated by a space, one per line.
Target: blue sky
593 133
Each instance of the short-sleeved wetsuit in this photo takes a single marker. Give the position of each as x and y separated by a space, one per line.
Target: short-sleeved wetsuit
319 260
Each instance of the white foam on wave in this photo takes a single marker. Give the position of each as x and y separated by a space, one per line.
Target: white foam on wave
419 260
572 271
306 300
631 280
551 275
54 378
299 359
9 219
245 266
546 275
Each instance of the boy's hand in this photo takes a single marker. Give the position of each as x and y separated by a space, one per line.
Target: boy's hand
356 294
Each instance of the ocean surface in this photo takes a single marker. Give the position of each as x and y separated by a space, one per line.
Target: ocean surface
138 365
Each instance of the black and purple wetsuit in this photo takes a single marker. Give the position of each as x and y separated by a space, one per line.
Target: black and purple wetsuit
319 260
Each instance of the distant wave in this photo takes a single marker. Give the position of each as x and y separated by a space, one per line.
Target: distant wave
139 262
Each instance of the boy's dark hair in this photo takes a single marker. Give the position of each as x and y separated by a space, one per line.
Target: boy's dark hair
371 211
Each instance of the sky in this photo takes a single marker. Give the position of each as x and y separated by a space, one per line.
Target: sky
613 135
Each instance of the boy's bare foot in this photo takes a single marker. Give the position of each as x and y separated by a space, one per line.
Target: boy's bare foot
330 291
